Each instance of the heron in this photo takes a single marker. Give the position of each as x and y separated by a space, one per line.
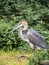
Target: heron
35 40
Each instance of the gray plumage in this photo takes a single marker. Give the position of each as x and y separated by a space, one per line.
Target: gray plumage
36 39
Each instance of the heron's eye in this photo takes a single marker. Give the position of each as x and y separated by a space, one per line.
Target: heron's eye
22 26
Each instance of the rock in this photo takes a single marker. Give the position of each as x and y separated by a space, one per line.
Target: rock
46 62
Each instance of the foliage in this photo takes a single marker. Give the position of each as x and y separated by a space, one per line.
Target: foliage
39 58
35 12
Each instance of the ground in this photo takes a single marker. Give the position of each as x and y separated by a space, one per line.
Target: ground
10 58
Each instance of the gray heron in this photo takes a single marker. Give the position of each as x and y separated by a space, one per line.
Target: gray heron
34 39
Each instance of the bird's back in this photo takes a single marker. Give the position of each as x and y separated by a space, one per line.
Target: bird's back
35 38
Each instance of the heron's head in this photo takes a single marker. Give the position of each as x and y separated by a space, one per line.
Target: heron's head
22 24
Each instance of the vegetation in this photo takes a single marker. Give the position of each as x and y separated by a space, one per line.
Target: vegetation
10 58
35 12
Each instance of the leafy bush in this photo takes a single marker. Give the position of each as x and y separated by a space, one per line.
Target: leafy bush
35 12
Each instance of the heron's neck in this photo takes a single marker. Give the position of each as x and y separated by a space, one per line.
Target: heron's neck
20 33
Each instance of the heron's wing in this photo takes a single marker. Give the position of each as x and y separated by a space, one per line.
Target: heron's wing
35 38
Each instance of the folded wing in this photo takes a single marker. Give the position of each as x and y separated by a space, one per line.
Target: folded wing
36 39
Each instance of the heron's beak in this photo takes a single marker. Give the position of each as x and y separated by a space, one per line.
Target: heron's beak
16 27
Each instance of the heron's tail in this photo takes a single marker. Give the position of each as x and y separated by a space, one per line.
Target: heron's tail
47 47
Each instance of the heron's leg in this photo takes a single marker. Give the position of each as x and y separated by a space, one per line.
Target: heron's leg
34 50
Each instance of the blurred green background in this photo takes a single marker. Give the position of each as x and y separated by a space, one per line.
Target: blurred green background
35 12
